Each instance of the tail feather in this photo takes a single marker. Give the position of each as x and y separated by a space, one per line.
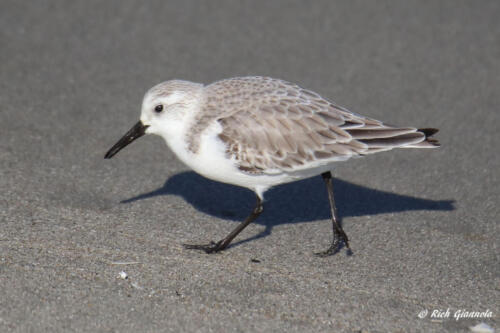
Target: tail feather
394 141
428 141
388 138
428 131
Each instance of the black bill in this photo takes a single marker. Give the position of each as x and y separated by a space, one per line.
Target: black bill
135 132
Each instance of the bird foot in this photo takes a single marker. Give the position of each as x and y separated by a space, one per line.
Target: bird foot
339 238
333 249
212 247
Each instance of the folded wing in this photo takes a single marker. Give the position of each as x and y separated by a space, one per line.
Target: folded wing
288 128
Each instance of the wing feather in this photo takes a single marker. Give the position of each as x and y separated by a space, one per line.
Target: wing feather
271 125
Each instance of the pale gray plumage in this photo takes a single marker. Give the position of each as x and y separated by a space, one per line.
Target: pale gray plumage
260 132
270 124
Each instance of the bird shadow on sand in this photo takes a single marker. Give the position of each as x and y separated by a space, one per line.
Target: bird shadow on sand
301 201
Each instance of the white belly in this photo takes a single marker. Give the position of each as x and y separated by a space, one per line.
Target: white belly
211 161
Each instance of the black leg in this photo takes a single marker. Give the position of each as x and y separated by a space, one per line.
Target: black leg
338 233
223 243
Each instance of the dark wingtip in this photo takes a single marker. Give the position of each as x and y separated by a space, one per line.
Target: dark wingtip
428 131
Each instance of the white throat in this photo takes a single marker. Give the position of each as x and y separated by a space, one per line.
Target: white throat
175 130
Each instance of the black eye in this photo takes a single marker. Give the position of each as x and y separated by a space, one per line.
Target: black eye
158 108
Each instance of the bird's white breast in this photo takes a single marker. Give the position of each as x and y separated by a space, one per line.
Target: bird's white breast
212 161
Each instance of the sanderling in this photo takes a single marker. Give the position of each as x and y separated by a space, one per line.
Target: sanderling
258 132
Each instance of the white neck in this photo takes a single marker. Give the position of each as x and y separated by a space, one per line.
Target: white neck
175 132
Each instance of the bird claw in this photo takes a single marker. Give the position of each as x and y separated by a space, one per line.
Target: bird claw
339 237
212 247
333 249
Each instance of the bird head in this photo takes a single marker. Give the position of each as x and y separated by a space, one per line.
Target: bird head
163 107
